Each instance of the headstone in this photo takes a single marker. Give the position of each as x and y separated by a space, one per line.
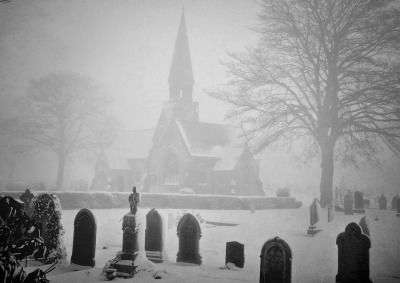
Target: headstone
364 226
234 253
153 236
398 207
314 218
359 202
189 234
348 204
353 255
382 202
276 262
125 261
84 241
394 202
331 212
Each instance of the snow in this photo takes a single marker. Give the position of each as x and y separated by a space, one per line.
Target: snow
314 258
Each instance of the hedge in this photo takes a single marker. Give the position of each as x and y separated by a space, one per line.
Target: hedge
93 200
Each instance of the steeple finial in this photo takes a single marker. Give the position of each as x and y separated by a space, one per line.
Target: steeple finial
181 75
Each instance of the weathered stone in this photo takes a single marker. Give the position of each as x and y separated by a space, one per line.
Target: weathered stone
153 236
129 237
359 202
353 255
398 207
382 202
189 234
314 218
84 241
276 262
234 253
348 204
364 226
394 202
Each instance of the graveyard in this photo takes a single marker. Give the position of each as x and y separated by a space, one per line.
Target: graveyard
311 257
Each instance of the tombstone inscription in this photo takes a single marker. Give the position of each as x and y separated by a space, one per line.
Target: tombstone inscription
189 234
84 240
275 262
353 255
234 253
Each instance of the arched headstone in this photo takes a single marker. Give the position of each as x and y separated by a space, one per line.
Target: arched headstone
84 241
276 262
153 236
189 234
353 255
234 253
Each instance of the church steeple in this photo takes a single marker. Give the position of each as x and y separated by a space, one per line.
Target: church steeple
181 75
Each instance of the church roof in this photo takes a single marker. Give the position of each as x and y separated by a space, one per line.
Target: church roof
181 66
223 142
128 145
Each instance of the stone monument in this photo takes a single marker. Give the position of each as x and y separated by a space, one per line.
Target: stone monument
314 218
124 264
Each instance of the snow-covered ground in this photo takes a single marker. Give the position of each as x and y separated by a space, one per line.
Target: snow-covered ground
314 258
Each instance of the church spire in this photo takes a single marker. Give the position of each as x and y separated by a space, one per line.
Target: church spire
181 75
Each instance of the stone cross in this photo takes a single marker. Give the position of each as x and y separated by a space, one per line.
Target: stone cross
353 255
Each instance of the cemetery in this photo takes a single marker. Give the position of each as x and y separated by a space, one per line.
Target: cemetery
197 245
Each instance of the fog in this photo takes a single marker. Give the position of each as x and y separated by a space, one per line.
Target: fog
126 47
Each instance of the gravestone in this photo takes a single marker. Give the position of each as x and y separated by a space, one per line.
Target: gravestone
189 234
364 226
367 203
348 204
234 253
124 264
276 262
314 218
358 202
382 202
394 202
353 255
398 207
153 236
84 241
331 212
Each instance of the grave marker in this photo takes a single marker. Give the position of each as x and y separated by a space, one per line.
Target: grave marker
394 202
234 253
153 236
314 218
398 207
276 262
353 255
189 234
359 202
382 202
348 204
84 241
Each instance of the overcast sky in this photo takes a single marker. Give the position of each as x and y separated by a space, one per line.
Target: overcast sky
125 45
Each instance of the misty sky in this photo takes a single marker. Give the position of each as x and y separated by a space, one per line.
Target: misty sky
125 45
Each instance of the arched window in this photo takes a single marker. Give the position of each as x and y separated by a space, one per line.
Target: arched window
171 169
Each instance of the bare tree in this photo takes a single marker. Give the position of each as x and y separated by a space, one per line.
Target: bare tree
326 71
65 113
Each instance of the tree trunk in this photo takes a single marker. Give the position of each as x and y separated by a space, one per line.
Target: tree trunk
60 171
327 171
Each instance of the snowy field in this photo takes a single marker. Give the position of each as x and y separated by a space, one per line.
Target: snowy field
314 258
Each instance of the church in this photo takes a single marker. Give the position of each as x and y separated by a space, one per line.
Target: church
182 154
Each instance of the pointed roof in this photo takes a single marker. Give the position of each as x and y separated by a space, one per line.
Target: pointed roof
181 65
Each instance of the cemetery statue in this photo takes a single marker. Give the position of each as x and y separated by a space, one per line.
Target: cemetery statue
133 201
27 198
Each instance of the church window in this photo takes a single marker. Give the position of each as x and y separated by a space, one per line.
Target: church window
171 169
